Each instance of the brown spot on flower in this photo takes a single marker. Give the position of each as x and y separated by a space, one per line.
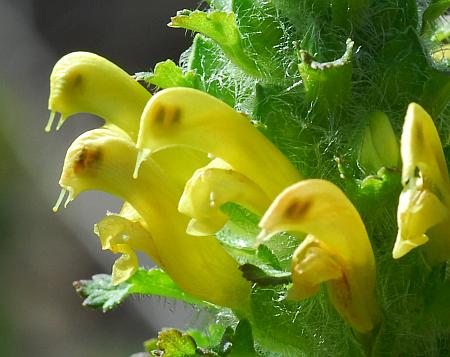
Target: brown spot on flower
297 209
166 116
158 114
86 158
176 115
418 134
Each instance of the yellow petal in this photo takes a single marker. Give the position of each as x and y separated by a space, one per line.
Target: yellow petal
117 229
83 82
180 163
212 186
103 160
312 264
188 117
425 199
125 266
337 249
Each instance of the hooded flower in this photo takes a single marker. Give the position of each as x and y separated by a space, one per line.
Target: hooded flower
336 251
423 210
104 160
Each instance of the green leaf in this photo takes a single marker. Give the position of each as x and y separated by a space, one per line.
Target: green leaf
211 66
264 276
243 345
434 10
101 293
157 282
266 255
266 43
222 28
436 92
175 344
238 342
167 74
226 343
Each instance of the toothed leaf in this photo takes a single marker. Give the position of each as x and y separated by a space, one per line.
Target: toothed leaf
100 293
221 27
264 276
167 74
175 344
211 66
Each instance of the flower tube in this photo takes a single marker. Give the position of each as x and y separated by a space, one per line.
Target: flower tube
83 82
336 251
191 118
104 160
423 210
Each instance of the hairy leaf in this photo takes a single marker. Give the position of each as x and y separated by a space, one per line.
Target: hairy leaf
100 293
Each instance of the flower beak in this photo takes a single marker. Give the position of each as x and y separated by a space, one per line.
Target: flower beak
83 82
336 251
191 118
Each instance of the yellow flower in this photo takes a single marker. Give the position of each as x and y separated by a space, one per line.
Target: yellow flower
83 82
336 251
423 210
190 118
104 160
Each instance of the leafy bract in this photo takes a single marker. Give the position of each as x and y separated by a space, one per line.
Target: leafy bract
100 293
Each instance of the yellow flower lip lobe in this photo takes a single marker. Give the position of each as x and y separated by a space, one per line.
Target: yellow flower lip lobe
191 118
336 251
125 233
83 82
104 159
423 214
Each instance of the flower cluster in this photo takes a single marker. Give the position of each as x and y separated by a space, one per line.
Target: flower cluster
177 157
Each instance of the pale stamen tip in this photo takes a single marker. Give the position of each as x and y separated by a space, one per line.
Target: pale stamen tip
59 200
48 127
60 122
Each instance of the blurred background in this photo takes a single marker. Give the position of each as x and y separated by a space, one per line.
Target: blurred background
41 253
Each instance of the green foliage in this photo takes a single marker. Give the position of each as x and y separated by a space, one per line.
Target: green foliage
264 276
167 74
434 10
222 28
100 293
175 344
233 343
